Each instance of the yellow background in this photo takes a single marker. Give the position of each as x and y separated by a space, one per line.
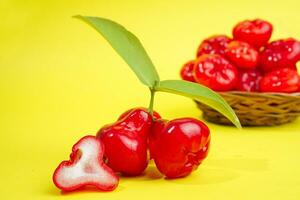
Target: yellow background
60 80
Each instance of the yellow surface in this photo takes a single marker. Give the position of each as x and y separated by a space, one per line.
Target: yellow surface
60 81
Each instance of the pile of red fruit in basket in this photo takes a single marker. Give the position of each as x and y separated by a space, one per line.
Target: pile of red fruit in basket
247 62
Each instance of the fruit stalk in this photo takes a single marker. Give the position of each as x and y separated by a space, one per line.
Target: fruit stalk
150 109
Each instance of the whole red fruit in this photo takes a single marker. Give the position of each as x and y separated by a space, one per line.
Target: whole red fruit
179 146
187 71
255 32
126 141
280 80
248 80
215 72
242 55
280 54
214 45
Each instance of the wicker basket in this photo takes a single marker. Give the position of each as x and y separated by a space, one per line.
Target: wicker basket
257 109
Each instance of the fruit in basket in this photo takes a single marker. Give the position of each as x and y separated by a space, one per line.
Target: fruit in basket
214 45
187 71
280 53
255 32
215 72
242 55
85 168
126 141
179 146
225 64
248 80
280 80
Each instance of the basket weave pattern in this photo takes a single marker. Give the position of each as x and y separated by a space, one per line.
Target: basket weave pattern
257 109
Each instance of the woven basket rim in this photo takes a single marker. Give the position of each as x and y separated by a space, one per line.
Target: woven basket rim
262 94
256 109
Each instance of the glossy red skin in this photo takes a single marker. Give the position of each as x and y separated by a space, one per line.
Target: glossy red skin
248 80
74 158
279 54
281 80
215 72
126 142
156 115
242 55
187 71
255 32
214 45
179 146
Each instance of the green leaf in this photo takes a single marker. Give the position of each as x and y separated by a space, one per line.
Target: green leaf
127 46
201 94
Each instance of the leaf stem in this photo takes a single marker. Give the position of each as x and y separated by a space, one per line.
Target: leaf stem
150 108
